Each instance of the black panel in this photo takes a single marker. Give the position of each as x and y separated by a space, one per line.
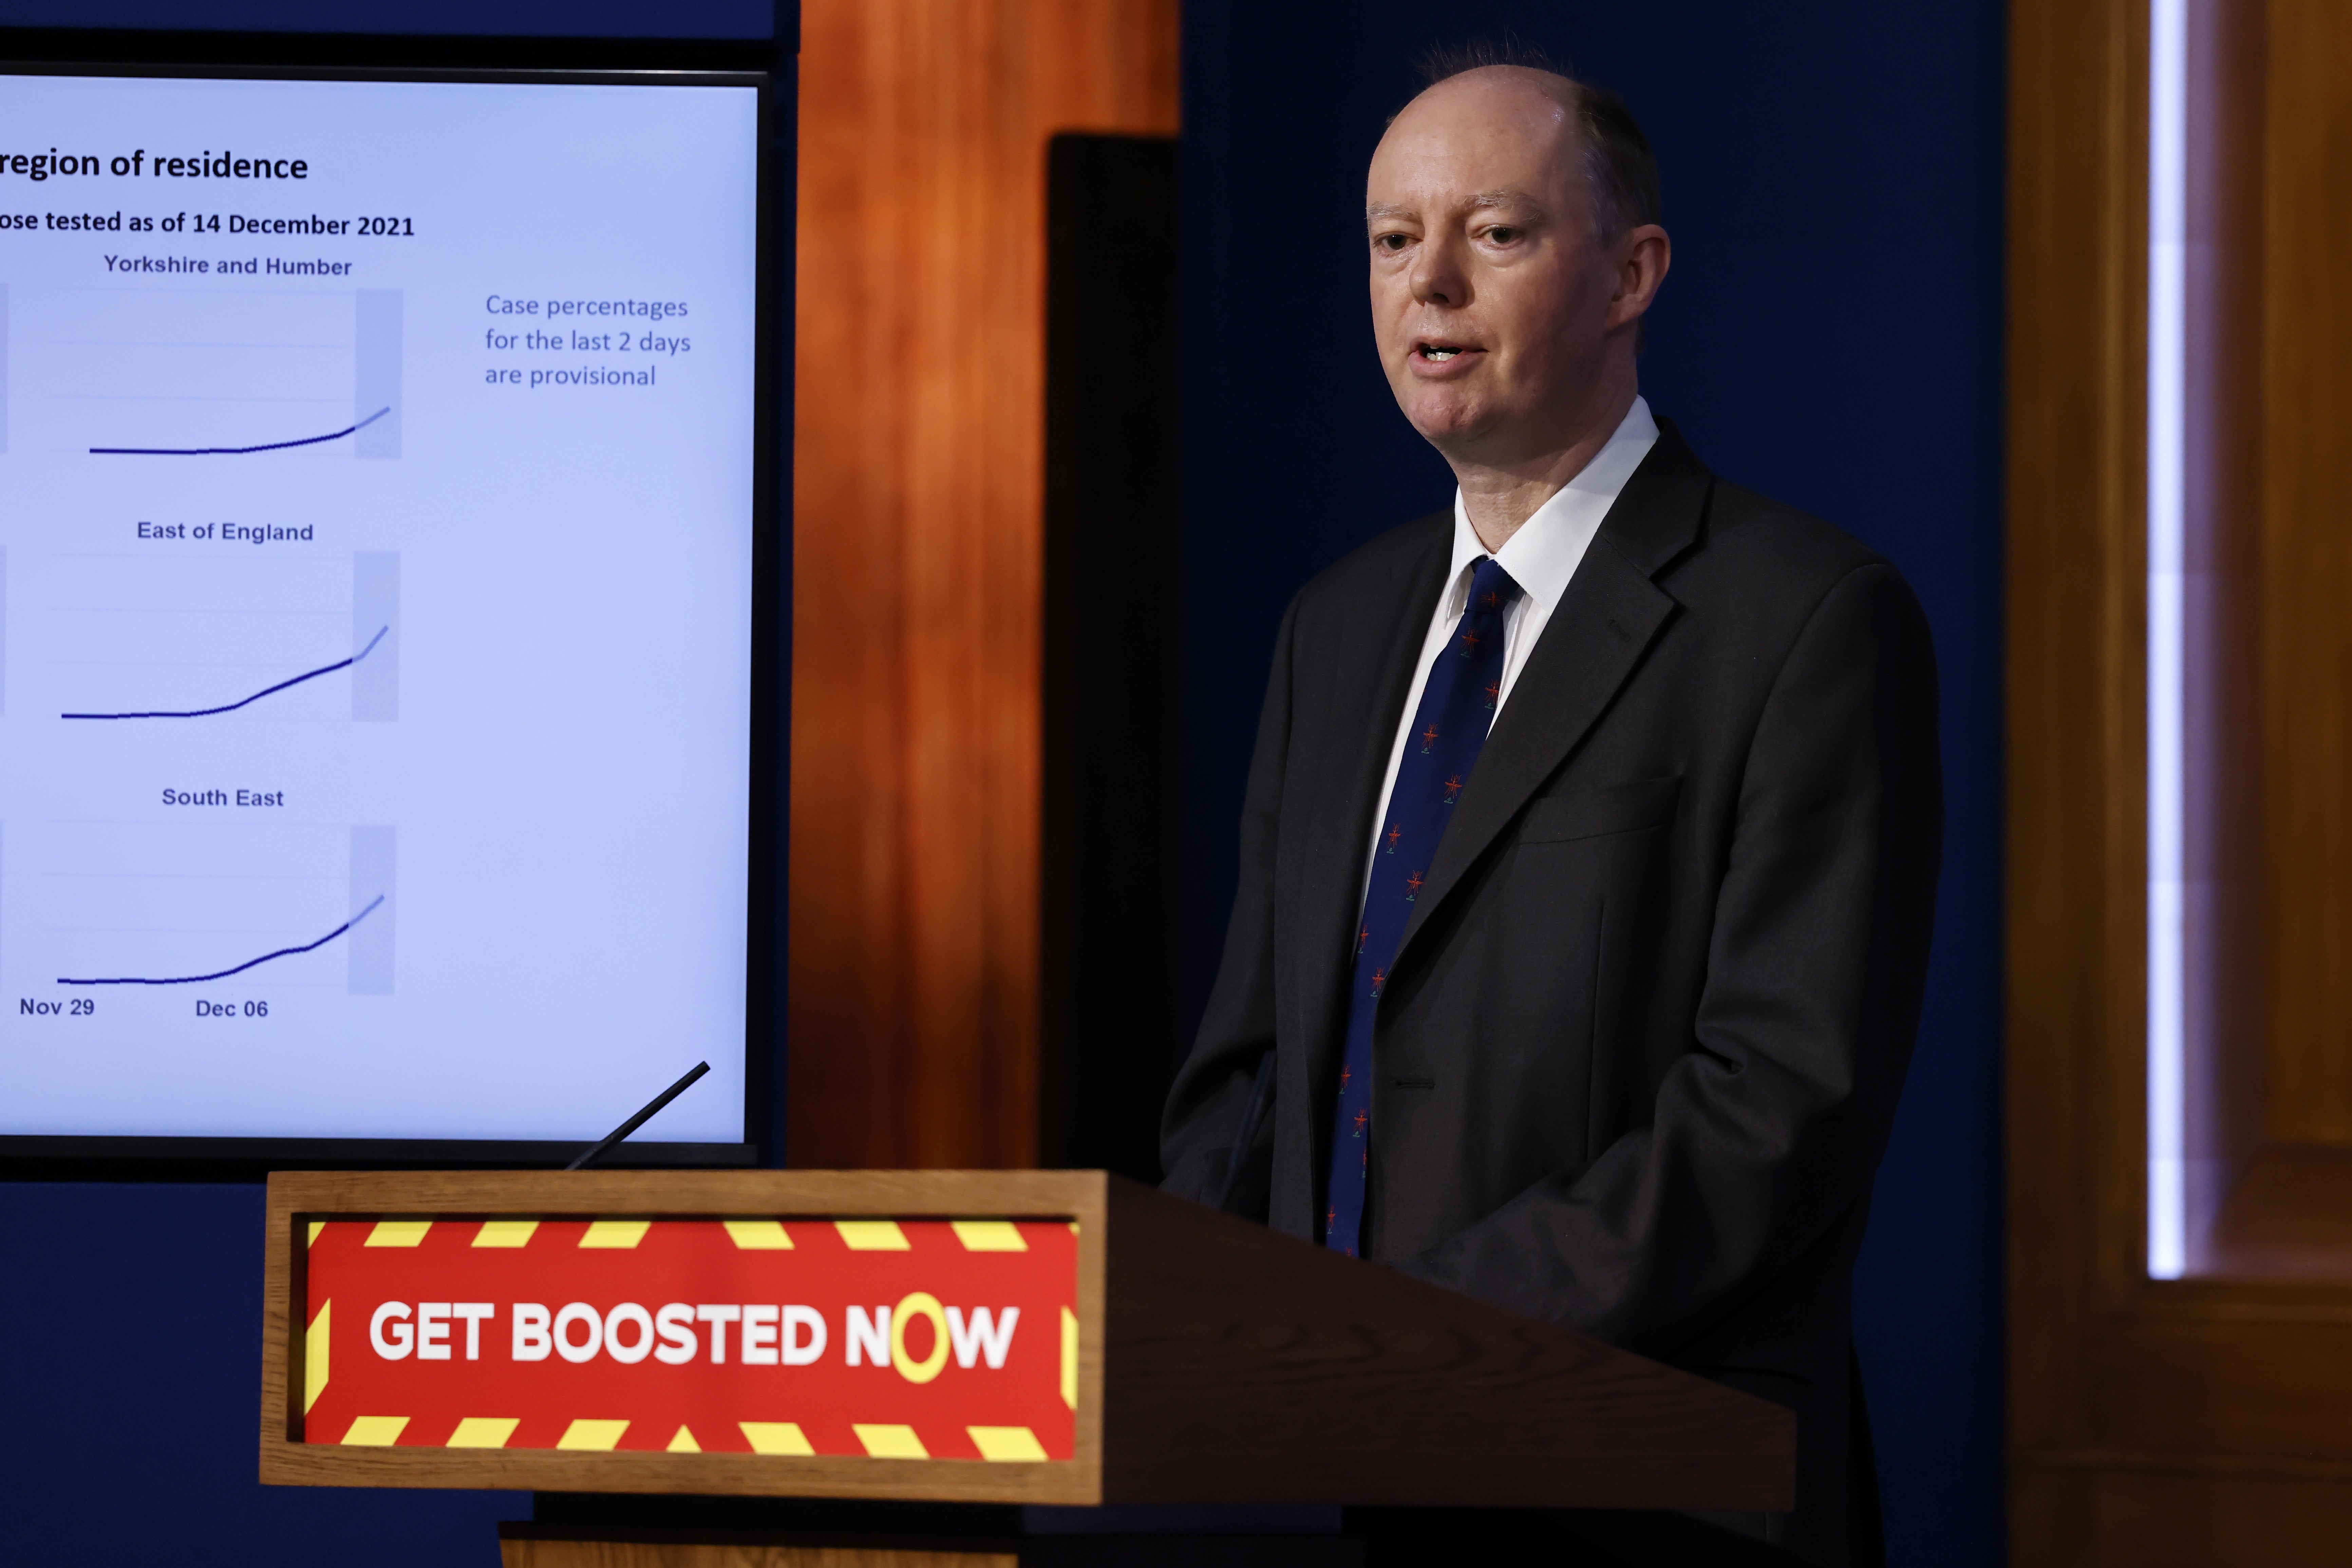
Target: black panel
1109 1043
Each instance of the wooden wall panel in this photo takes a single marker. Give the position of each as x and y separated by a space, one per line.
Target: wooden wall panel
917 485
2307 466
2075 563
2169 1517
2225 860
2195 1423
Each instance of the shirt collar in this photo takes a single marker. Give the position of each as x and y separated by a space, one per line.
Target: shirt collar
1543 555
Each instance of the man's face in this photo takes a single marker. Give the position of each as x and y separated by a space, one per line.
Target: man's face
1491 296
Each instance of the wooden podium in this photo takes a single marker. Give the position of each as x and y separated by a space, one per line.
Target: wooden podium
977 1337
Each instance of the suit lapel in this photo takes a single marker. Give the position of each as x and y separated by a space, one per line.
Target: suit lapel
1379 649
1606 620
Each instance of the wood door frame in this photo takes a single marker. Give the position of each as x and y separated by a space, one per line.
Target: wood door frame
2151 1422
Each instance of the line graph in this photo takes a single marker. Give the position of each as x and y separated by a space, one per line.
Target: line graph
239 969
238 451
280 375
300 908
265 692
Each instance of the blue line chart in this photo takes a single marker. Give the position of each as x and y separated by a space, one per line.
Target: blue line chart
265 692
237 451
248 963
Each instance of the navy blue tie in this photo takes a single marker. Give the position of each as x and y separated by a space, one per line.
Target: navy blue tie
1449 730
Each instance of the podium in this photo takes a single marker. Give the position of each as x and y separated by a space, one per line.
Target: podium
945 1336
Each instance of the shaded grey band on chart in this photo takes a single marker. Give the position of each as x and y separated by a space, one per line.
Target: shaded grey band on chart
373 854
4 603
375 378
375 609
4 367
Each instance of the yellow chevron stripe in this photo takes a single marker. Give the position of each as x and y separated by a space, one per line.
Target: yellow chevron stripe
1069 1358
871 1234
1006 1443
506 1233
682 1442
776 1437
397 1233
374 1431
315 1340
601 1436
616 1233
758 1234
887 1442
483 1432
316 1227
989 1235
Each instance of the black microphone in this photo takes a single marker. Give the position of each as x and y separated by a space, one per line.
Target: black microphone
1250 1118
642 1117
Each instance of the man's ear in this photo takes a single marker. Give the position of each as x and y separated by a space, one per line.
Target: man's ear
1644 255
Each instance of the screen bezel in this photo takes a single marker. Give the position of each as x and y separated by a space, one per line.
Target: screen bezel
671 66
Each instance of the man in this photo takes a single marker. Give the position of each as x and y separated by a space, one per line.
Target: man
1590 851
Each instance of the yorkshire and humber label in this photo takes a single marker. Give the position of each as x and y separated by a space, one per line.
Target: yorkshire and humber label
792 1337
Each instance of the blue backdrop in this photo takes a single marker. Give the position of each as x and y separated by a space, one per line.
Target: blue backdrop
1829 335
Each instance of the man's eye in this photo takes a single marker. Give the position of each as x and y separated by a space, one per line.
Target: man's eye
1390 242
1501 235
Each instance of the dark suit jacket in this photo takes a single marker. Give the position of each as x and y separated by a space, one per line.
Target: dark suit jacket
1637 1056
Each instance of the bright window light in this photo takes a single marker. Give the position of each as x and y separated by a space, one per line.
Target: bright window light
2167 308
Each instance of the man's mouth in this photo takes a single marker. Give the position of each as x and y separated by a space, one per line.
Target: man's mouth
1441 354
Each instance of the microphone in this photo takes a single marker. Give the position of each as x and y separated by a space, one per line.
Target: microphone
642 1117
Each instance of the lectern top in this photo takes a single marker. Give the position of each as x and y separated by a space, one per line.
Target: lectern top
990 1336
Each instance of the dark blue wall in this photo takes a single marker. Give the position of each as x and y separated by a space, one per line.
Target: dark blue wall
133 1407
132 1399
1829 335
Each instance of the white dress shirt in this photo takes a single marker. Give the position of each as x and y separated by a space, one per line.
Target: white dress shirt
1540 557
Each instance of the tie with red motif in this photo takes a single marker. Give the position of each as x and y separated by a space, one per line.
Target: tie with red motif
1449 729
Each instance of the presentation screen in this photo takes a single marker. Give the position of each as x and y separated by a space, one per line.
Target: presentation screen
378 484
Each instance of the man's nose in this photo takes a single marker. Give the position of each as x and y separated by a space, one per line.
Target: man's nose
1438 275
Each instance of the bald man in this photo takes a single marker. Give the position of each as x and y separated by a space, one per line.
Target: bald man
1589 859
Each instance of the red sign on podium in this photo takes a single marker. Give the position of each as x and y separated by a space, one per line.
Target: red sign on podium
865 1337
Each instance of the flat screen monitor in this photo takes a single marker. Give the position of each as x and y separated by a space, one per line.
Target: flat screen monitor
380 487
